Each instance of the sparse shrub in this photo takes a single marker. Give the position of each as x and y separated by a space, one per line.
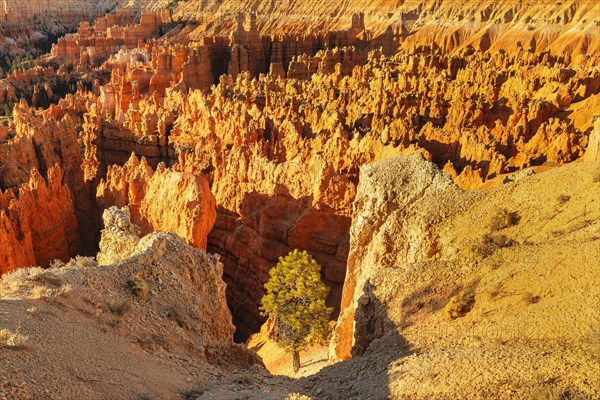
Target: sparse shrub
563 198
12 340
57 264
64 290
16 277
500 241
138 287
32 311
298 396
504 219
530 298
460 304
41 292
296 300
489 243
120 307
82 262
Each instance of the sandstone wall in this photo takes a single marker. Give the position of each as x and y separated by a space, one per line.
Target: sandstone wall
45 196
39 223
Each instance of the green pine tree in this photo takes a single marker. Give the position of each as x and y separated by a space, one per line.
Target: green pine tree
296 300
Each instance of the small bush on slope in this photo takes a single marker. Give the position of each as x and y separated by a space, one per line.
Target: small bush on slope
460 304
12 340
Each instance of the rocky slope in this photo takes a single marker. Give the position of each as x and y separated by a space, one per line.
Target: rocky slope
518 260
154 324
508 25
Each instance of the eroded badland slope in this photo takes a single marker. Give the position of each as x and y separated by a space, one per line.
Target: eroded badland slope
425 153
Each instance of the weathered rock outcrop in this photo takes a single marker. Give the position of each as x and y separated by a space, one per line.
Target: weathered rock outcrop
36 145
160 253
398 203
119 237
165 200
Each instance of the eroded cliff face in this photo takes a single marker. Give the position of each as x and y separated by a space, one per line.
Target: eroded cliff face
398 24
399 202
47 211
277 125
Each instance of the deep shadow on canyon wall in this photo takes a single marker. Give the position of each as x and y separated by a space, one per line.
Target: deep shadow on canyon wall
386 347
269 227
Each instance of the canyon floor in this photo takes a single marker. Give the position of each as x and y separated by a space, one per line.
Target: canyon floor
439 160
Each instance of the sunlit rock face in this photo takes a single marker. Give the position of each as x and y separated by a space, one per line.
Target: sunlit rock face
165 200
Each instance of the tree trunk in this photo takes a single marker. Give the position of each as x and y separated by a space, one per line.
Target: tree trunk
296 360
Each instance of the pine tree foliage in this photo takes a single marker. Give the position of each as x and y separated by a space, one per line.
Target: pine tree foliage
296 299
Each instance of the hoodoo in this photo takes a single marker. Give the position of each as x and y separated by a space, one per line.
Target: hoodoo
437 160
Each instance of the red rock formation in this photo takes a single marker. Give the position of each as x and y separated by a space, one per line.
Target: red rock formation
39 223
164 200
35 146
296 144
92 45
